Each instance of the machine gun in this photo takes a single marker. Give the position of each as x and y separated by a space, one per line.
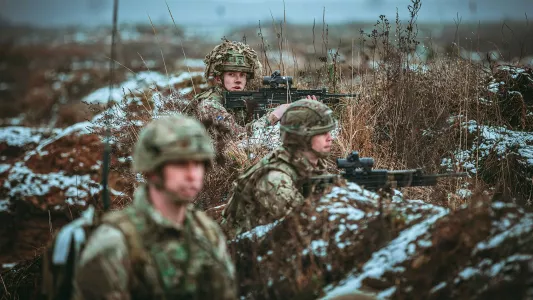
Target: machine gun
359 170
256 103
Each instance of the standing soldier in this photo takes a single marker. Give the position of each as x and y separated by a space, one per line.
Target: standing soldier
160 247
271 188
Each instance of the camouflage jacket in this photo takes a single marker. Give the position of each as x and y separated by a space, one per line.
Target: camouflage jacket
185 262
209 104
268 190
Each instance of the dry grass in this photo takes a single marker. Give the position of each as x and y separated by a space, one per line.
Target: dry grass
402 117
407 114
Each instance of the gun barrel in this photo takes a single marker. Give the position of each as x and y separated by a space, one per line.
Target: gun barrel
341 95
460 174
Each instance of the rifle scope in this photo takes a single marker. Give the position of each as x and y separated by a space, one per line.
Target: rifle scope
276 79
353 161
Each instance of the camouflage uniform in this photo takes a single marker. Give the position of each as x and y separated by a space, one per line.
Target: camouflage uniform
136 253
228 56
271 188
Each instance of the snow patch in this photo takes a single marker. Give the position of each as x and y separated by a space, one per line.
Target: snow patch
523 227
80 128
491 138
141 81
488 268
23 182
4 167
4 205
19 136
9 265
258 231
395 253
318 248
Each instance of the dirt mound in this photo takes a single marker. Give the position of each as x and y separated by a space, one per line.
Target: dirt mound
325 241
47 179
511 89
498 141
342 245
484 251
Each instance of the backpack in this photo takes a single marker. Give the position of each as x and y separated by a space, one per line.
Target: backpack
63 252
243 186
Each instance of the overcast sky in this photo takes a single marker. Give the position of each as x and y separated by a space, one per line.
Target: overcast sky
233 12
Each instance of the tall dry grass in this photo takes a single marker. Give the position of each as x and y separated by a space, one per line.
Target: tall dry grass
408 112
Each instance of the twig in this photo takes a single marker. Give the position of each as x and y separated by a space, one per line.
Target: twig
4 284
50 220
182 49
160 48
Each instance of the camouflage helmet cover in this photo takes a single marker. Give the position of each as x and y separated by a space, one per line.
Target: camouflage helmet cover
171 138
231 56
307 118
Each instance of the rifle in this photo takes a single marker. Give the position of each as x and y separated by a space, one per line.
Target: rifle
359 170
257 102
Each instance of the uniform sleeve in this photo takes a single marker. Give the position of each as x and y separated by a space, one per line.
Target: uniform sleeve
211 108
277 194
104 267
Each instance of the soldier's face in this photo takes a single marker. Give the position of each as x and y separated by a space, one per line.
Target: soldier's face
185 179
322 142
234 81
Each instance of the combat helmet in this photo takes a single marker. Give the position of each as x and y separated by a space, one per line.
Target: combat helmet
231 56
307 117
169 138
304 119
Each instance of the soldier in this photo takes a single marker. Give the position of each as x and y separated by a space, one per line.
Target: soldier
231 65
271 188
160 247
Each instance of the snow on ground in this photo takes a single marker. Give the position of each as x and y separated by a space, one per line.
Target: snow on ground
137 84
505 228
23 182
78 128
192 63
258 231
263 135
268 136
9 265
4 167
19 136
389 257
4 205
498 139
13 121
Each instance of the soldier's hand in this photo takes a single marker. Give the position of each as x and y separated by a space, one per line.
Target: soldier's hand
311 97
275 116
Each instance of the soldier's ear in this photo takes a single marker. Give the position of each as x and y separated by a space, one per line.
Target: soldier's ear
218 79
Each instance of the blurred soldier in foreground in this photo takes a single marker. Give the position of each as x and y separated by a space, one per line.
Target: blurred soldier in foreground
159 247
271 188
